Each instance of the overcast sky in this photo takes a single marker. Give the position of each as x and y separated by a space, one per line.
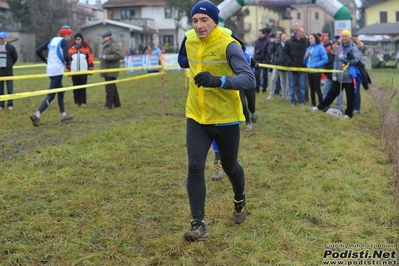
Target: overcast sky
358 2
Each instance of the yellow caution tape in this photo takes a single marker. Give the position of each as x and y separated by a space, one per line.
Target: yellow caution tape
45 92
50 91
301 69
68 74
28 66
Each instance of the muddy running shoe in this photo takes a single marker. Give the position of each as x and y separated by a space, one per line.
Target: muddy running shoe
254 117
240 211
197 233
67 117
218 172
249 127
35 120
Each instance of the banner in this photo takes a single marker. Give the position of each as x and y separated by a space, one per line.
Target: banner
147 60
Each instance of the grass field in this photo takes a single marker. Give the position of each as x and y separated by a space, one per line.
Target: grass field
108 188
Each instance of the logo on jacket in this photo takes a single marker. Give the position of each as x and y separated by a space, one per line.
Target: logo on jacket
213 54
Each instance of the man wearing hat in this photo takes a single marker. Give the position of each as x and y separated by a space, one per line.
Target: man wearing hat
56 60
110 58
8 57
218 71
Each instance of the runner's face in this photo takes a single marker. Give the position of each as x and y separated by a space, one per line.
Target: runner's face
203 25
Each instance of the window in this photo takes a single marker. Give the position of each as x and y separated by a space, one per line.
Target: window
397 16
298 15
168 12
316 15
168 39
127 14
383 17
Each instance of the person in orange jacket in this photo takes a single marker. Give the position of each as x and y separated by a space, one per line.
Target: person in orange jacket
81 59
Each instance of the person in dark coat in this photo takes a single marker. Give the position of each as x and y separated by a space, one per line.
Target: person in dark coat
293 53
110 58
261 56
8 57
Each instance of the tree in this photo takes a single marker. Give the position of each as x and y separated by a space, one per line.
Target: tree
20 13
329 28
49 16
182 6
180 9
42 17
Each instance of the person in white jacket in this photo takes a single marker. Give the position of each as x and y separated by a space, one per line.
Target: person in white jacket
57 58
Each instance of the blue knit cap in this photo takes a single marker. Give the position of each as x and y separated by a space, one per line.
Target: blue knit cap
207 8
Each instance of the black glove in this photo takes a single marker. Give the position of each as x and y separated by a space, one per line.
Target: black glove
206 79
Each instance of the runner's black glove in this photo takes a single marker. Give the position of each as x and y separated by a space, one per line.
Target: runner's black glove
206 79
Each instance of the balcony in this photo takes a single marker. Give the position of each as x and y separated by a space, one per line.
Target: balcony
147 23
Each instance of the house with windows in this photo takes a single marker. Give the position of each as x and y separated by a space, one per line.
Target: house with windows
260 17
381 11
128 36
156 24
313 19
381 18
83 12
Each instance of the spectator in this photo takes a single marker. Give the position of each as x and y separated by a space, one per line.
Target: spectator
215 78
293 53
341 59
57 58
110 57
327 45
330 65
261 56
147 49
295 27
8 58
157 50
248 98
270 55
276 73
315 57
358 98
81 59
